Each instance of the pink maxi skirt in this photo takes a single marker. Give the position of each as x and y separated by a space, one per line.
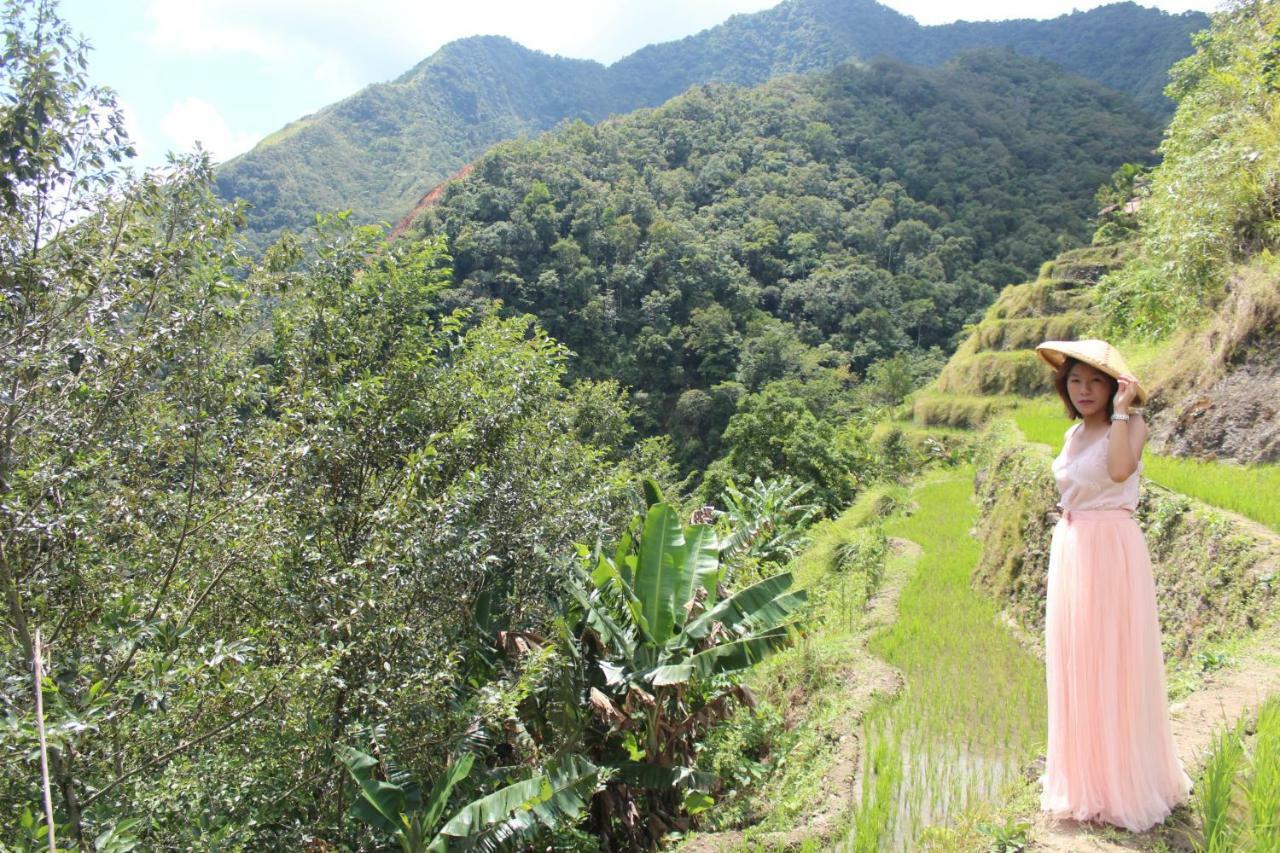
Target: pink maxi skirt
1111 753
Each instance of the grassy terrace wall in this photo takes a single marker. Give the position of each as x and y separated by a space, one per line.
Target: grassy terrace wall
1216 576
996 366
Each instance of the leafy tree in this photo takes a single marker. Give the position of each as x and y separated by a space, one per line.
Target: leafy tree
249 505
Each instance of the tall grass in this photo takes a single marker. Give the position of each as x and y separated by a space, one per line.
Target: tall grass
1217 790
974 701
1238 793
1247 489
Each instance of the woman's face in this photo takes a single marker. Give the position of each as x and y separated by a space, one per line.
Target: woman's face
1089 389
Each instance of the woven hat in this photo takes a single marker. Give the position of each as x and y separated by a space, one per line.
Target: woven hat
1099 354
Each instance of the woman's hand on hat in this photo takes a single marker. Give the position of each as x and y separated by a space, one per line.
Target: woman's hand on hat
1125 393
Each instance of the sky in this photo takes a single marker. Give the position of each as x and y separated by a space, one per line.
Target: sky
229 72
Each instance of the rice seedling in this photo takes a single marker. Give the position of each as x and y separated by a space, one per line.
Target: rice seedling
1263 787
1216 792
1249 490
973 699
1237 797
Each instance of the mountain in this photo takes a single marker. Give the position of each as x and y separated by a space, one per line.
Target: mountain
380 150
736 237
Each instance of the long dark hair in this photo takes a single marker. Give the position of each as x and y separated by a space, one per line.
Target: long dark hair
1060 382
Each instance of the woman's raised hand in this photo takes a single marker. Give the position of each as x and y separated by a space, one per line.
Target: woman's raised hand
1125 393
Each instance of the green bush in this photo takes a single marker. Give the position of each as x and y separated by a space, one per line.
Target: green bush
1212 199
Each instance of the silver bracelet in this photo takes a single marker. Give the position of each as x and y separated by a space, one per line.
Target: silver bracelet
1116 417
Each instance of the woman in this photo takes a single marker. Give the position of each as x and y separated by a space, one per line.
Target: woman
1111 754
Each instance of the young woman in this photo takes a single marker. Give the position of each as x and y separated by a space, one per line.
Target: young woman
1111 754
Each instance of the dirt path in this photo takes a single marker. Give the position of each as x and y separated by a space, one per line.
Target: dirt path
867 678
1223 698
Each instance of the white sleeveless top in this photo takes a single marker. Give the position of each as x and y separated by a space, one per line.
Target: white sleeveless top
1083 479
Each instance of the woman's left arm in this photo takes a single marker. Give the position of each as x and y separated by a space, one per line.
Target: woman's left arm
1124 450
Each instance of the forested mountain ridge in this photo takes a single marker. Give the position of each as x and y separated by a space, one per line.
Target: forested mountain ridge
379 151
733 239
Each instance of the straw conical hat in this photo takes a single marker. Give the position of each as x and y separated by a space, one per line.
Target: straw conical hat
1099 354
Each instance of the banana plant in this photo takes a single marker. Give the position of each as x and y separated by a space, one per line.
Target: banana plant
662 654
767 520
394 804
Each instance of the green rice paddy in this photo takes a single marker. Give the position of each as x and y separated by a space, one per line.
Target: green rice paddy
1249 490
973 707
1238 794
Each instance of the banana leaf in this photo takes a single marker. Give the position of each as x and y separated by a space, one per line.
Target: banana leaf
381 803
773 613
615 637
439 796
547 798
659 572
701 566
670 674
610 580
739 654
639 774
739 606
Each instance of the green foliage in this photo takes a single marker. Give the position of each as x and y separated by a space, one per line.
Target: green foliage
1212 200
254 506
1008 837
864 554
55 127
775 434
766 521
384 148
518 810
658 654
758 255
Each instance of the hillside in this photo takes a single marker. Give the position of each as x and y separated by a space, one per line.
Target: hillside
379 151
736 238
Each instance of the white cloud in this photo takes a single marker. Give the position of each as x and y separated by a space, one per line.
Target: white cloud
193 120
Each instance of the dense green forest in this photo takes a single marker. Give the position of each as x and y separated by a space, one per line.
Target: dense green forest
751 254
381 150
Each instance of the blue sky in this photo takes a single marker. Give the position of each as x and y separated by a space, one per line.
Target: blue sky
229 72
